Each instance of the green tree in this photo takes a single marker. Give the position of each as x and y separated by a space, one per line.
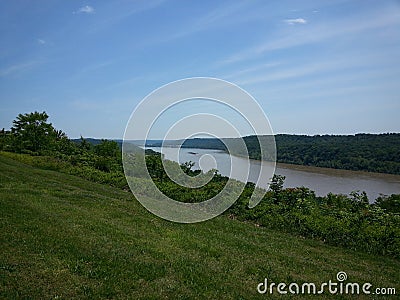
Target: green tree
84 145
390 203
277 183
32 132
63 144
3 138
107 148
187 168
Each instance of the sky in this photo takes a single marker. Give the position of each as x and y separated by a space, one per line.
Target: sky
314 67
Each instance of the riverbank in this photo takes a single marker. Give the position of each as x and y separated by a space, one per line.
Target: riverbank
339 172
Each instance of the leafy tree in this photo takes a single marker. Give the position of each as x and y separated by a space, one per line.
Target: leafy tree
155 167
102 164
4 138
85 145
390 203
187 168
277 183
32 132
360 199
64 145
107 148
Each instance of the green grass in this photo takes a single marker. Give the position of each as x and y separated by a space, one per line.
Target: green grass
64 237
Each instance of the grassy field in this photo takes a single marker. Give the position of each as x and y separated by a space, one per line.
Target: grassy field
63 237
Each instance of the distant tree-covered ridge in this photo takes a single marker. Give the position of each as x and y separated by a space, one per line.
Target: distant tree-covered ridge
364 152
359 152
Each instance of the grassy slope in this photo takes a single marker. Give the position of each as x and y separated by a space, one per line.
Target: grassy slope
62 236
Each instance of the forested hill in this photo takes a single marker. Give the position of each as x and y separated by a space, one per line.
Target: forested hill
366 152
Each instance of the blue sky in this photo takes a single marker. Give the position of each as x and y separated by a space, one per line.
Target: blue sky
315 67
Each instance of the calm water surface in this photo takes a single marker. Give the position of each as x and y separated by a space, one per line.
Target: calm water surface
320 180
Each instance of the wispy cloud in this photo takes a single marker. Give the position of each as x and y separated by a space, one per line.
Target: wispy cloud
320 67
128 81
17 68
295 21
99 104
87 9
319 32
255 68
85 70
84 104
225 15
337 79
284 74
41 41
119 15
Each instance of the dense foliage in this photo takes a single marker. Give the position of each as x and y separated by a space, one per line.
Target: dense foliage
367 152
348 221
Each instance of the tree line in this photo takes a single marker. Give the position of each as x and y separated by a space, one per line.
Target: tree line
32 134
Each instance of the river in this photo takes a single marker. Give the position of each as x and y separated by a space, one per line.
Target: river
320 180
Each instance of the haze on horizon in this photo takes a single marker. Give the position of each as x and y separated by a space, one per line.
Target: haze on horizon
315 67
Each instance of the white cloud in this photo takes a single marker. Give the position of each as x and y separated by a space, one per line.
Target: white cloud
17 68
296 21
41 42
85 10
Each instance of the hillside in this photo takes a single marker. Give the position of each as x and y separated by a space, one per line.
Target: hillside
64 237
